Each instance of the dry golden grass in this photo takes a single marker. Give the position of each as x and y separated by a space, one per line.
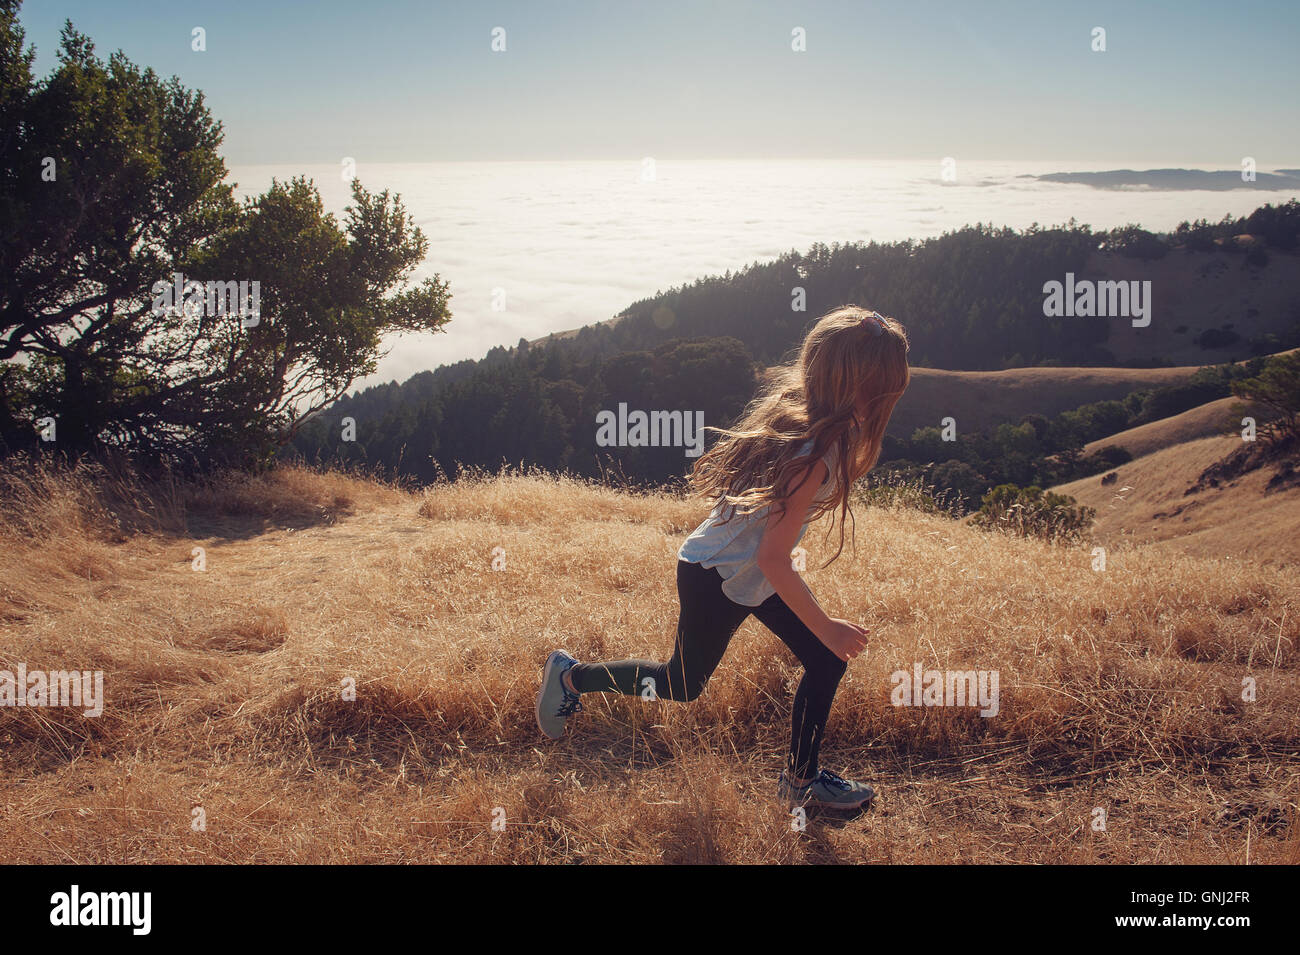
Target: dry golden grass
1119 689
1147 502
983 399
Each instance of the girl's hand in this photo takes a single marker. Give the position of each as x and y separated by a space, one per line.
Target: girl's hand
846 640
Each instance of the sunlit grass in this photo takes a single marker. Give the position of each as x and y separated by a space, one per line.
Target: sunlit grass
227 688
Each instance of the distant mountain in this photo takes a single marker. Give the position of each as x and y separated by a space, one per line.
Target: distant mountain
1178 179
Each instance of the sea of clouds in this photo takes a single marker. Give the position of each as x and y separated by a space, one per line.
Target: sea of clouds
572 243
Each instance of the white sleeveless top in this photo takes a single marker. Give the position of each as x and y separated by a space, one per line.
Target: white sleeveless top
733 547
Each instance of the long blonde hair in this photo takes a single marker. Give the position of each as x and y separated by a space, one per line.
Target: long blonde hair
852 359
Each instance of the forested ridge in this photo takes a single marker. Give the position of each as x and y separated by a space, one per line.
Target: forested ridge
971 300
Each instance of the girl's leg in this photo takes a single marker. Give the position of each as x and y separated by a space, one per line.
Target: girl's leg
812 701
708 620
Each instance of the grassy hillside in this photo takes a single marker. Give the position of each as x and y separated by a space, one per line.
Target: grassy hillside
1203 421
982 399
1197 292
1119 689
972 301
1148 501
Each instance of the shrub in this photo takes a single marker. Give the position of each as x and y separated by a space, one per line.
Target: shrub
894 488
1033 512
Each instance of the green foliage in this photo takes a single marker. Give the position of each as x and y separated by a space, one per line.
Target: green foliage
1277 226
959 484
971 298
1033 512
1277 388
1090 422
892 488
1134 242
537 405
1041 451
112 183
1207 384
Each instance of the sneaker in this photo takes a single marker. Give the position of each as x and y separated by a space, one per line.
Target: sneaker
555 703
827 790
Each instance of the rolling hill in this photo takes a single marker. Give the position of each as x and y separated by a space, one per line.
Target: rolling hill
1149 501
1211 418
348 679
1193 292
1198 292
982 399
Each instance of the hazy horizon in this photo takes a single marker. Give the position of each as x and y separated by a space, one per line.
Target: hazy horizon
574 243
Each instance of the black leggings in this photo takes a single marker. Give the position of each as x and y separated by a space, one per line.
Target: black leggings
709 619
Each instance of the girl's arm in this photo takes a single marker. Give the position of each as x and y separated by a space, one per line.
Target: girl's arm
845 639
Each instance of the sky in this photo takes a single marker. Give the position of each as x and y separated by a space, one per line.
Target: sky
525 167
403 81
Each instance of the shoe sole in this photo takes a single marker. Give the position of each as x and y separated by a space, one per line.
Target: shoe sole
842 806
868 797
537 707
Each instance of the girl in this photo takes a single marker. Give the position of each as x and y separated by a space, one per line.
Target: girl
792 458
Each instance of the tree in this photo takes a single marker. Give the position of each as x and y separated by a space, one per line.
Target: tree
114 187
1135 242
1277 388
